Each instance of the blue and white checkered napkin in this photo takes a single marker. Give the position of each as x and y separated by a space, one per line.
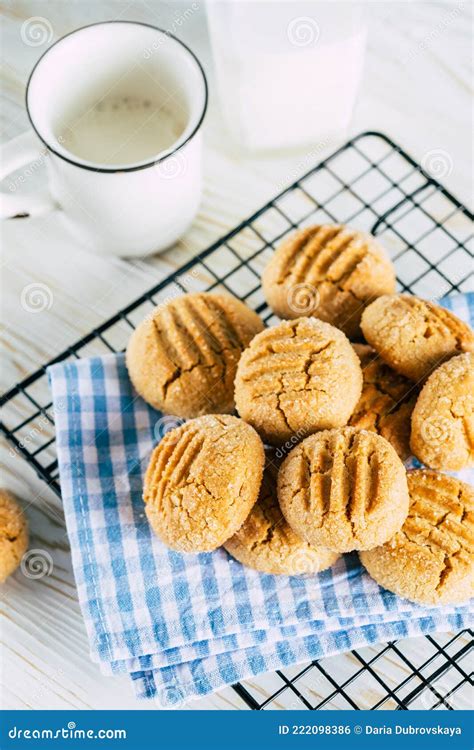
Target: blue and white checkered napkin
185 625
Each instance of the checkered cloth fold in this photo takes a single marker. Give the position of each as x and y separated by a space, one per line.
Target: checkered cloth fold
186 625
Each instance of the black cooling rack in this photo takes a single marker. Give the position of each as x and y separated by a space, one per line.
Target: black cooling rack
374 185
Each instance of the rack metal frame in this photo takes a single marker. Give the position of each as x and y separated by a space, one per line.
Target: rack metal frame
372 183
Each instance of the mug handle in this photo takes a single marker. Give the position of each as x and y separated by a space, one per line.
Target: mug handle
24 149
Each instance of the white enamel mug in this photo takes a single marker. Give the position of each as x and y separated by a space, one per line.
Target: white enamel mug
125 209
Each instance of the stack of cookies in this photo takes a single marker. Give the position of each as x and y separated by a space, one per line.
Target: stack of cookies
331 401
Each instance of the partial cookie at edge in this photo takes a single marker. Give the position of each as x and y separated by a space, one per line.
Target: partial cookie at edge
431 559
442 434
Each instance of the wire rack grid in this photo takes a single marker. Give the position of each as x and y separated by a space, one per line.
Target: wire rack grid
374 185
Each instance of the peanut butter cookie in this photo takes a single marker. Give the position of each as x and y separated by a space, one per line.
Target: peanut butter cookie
386 403
13 534
296 378
414 336
442 425
330 272
267 543
183 357
431 559
344 490
202 482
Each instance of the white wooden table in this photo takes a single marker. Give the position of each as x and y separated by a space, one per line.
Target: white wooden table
423 103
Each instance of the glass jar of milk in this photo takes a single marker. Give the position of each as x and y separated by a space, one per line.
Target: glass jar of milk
287 72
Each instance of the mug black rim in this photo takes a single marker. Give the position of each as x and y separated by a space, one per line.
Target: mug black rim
136 168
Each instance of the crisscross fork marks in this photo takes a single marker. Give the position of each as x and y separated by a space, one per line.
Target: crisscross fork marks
322 247
297 251
174 458
229 333
441 517
323 253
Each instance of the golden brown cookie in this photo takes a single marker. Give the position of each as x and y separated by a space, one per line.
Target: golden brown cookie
202 482
343 489
330 272
414 336
431 559
386 403
265 542
442 424
13 534
296 378
183 357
